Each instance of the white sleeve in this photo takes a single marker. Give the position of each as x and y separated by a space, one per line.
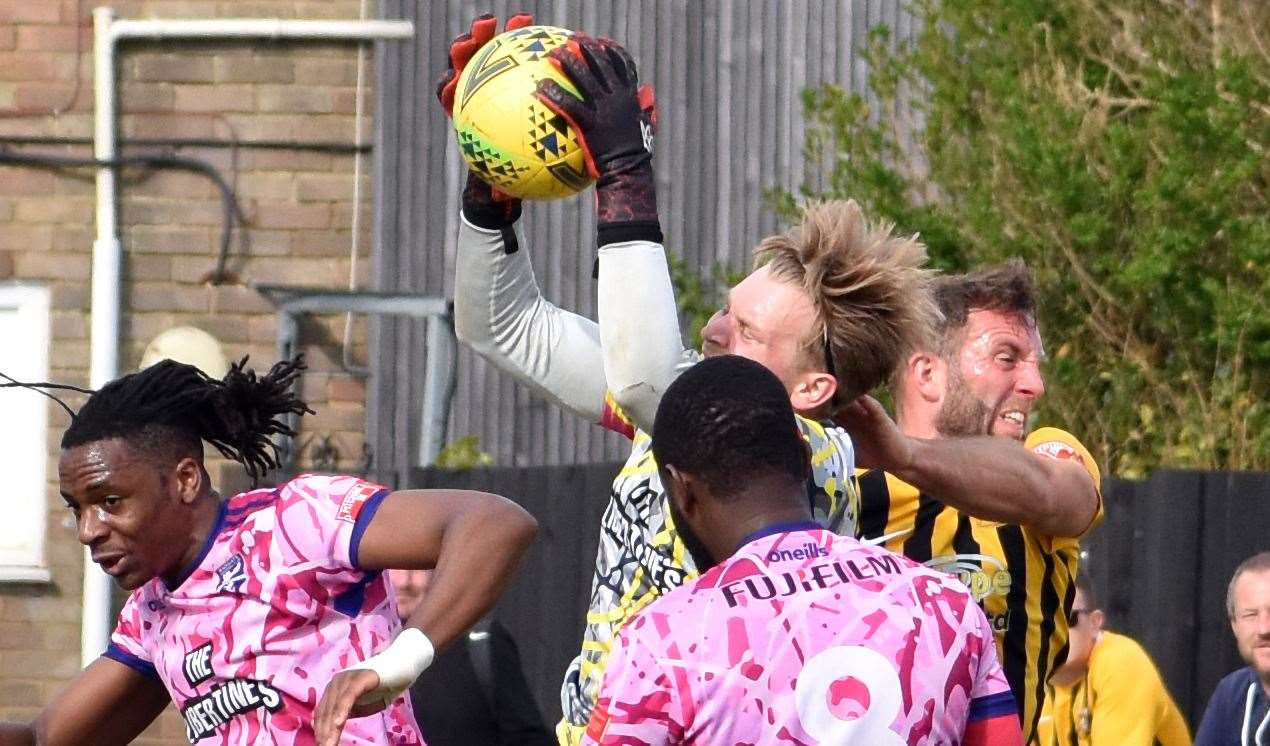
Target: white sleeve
500 313
639 327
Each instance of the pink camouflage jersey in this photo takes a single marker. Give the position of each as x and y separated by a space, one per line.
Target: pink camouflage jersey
274 605
804 637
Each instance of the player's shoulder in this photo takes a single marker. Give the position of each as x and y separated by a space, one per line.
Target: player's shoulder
345 495
825 435
1058 444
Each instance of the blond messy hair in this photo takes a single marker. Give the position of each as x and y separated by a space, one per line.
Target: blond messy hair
872 296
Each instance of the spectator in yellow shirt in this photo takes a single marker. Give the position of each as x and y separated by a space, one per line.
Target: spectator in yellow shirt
1108 693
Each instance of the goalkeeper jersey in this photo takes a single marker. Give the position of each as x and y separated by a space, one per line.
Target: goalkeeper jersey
641 555
1022 579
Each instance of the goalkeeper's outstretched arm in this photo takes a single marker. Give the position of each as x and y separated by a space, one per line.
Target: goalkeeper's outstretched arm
501 314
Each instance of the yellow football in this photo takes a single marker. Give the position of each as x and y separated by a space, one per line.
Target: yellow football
506 135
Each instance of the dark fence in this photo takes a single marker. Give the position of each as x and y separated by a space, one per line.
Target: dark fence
1160 563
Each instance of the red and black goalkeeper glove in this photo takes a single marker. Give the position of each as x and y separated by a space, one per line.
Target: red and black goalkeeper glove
483 206
615 118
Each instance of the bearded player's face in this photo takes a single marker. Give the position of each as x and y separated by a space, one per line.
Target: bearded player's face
767 320
126 511
995 379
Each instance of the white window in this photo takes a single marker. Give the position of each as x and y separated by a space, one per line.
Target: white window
24 355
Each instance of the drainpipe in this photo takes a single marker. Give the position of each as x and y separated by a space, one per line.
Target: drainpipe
107 282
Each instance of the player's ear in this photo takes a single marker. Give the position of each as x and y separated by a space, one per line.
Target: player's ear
928 373
189 476
682 488
813 389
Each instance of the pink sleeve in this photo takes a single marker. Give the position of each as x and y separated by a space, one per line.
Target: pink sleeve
637 704
321 519
126 645
991 697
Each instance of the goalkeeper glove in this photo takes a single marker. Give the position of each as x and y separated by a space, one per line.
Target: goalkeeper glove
615 118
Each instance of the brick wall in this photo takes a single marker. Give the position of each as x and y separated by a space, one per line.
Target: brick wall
299 205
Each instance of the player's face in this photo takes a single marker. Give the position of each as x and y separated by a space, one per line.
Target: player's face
408 586
769 321
995 379
1251 622
125 511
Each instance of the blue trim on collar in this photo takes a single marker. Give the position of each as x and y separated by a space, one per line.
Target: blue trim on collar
207 547
782 528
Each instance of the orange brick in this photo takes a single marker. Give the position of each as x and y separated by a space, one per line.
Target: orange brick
147 267
235 298
279 185
321 243
166 239
346 389
146 96
174 68
151 296
69 325
286 160
45 96
28 66
221 97
6 264
288 215
168 183
68 352
172 212
50 38
23 181
53 266
70 295
8 38
328 187
228 328
297 99
254 69
74 238
29 12
26 238
269 242
167 125
55 210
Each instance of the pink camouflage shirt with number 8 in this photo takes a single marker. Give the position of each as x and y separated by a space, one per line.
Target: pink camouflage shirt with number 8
804 637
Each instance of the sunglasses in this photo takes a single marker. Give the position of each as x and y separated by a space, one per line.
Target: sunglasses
1073 616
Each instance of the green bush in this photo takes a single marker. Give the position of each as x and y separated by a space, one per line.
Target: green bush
1120 148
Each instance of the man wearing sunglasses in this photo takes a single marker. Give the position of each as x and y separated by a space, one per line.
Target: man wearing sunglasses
1108 692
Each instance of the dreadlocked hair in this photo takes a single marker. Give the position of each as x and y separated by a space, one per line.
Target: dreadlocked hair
171 406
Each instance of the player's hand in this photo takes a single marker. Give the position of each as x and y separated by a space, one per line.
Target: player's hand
483 205
339 703
484 28
615 119
878 441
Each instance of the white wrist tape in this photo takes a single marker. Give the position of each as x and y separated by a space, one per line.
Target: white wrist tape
397 666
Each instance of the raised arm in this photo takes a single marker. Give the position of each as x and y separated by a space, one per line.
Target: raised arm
501 314
107 703
473 540
996 479
639 321
498 309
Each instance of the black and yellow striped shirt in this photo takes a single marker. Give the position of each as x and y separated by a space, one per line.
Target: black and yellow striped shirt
1022 579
